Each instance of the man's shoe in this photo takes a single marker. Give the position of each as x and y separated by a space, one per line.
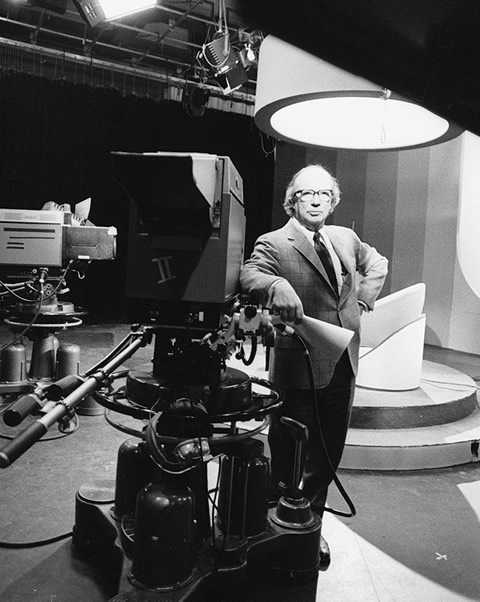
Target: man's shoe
324 552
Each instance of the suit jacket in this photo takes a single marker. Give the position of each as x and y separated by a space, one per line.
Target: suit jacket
287 253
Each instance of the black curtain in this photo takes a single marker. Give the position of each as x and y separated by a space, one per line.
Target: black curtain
55 144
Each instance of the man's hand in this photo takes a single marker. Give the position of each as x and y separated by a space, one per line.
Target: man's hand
286 303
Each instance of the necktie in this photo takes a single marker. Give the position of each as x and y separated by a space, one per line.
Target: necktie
326 259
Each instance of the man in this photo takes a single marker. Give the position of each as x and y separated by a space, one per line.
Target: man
286 274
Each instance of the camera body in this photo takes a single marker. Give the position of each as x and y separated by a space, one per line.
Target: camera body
51 238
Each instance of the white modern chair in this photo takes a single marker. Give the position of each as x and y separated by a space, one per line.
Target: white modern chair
391 341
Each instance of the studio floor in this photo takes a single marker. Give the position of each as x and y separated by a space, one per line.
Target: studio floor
415 536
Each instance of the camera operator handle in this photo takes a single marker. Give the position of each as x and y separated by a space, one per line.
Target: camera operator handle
299 432
16 447
29 403
23 441
63 387
21 408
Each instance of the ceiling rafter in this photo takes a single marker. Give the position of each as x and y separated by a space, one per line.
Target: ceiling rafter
164 39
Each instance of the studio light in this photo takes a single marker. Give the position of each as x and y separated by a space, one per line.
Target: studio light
302 99
96 11
224 63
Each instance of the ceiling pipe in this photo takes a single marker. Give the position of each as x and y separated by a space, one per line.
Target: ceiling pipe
124 69
165 9
137 56
82 41
168 32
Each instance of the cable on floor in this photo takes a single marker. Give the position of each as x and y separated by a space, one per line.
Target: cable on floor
35 544
440 383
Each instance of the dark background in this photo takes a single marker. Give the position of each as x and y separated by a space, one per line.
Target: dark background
56 138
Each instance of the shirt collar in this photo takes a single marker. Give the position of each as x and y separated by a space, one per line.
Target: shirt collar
309 233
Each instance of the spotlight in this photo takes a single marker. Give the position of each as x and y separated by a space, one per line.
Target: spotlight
217 52
224 63
232 78
96 11
322 105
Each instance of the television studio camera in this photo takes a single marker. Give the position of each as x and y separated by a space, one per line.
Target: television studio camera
56 242
179 537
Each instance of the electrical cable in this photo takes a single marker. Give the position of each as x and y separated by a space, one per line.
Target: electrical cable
253 351
159 455
29 325
60 281
123 428
213 502
20 298
221 33
11 289
336 480
37 313
14 285
439 383
34 544
122 408
216 508
262 143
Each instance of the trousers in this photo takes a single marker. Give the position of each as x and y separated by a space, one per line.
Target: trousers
327 425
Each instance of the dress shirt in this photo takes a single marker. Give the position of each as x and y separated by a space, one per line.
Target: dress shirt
335 259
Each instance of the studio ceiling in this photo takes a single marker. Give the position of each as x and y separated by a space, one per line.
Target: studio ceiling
165 39
427 50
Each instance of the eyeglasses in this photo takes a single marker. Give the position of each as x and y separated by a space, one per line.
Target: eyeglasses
307 195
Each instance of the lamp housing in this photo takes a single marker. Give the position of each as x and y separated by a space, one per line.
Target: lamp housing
98 11
224 63
302 99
